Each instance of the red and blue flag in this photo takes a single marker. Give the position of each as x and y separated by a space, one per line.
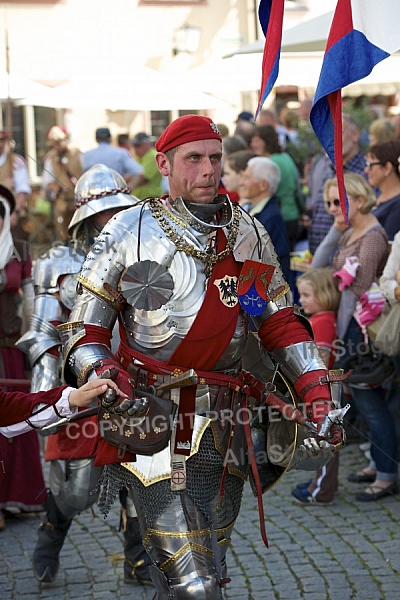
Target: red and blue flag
270 14
363 33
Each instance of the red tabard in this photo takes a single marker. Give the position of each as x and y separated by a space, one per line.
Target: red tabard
206 341
75 440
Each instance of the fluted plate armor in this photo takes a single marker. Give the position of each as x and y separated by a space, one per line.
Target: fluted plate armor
57 262
120 245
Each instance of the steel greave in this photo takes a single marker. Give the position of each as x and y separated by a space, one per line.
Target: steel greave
180 543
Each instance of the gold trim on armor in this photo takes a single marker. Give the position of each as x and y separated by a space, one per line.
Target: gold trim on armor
233 471
144 480
101 292
195 448
82 373
224 542
182 551
285 289
71 345
174 534
225 529
69 326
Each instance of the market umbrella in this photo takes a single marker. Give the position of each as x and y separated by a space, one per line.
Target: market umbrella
145 89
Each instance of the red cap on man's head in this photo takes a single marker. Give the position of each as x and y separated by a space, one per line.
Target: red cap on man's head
56 134
4 135
189 128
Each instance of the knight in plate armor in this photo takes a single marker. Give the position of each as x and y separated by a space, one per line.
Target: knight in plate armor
99 194
185 275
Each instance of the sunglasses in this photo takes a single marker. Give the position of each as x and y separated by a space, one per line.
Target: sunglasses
335 202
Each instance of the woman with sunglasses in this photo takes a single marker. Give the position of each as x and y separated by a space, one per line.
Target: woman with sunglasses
382 170
358 254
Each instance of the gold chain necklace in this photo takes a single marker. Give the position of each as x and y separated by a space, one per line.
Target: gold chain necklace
164 217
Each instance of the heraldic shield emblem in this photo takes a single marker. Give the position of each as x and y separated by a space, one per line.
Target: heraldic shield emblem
254 280
227 288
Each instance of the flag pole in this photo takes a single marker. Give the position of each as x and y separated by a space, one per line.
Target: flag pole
9 123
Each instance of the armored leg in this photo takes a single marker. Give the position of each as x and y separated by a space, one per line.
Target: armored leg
190 558
137 561
70 493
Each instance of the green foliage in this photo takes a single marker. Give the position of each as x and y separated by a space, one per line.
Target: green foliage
307 145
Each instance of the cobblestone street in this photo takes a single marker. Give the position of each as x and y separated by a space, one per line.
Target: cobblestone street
347 551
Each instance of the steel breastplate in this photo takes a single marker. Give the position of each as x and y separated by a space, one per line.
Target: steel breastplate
135 236
161 331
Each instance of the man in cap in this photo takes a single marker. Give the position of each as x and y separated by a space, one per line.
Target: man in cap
100 193
61 170
143 146
181 274
14 175
245 125
114 158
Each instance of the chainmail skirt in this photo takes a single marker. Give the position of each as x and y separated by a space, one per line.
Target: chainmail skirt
204 473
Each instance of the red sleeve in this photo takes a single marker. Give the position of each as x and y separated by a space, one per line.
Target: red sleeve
324 328
283 329
96 335
18 406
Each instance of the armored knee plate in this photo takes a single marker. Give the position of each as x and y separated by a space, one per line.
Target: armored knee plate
185 588
73 490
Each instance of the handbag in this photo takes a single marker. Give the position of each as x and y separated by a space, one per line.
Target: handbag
387 339
369 370
146 433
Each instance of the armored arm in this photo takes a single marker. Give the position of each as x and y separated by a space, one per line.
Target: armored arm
287 337
86 337
42 343
54 278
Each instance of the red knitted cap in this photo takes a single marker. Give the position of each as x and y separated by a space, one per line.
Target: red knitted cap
189 128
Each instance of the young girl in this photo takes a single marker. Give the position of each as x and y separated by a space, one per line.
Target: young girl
319 298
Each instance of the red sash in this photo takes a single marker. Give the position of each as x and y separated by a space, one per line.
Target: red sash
215 323
205 342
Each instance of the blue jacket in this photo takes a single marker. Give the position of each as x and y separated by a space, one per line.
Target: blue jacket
271 218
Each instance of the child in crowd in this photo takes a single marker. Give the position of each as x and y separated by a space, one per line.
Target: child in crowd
319 298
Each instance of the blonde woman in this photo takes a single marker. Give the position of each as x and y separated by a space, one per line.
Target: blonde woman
364 240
